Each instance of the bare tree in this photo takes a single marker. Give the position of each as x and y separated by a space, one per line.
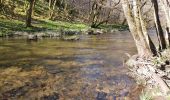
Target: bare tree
138 30
160 34
101 6
29 13
51 6
166 9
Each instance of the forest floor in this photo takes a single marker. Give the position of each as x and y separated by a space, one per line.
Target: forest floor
154 74
10 26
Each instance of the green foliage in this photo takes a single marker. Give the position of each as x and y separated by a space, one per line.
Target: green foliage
56 25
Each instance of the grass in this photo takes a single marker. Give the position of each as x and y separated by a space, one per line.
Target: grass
56 25
9 26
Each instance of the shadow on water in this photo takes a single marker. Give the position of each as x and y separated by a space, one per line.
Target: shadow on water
85 70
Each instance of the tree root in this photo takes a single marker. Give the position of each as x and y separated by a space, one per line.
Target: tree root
149 71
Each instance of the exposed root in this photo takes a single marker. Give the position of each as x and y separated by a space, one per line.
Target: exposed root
152 72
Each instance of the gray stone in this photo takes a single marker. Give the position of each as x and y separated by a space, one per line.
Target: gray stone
71 38
32 37
95 32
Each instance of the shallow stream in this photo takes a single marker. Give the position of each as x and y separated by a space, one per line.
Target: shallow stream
88 69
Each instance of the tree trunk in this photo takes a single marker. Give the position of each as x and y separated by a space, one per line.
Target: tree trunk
108 16
124 21
94 14
51 8
168 35
49 4
135 27
29 13
166 9
158 26
146 35
140 29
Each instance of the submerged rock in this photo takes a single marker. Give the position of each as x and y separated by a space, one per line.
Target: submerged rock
54 96
101 96
20 91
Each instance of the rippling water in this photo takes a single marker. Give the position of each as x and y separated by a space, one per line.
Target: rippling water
89 69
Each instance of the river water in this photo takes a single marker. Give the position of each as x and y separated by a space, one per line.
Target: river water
88 69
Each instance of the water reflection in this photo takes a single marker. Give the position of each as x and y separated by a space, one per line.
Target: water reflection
88 69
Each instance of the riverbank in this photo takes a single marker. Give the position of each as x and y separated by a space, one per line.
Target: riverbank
47 28
8 27
153 73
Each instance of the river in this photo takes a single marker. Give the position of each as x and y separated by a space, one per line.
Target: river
88 69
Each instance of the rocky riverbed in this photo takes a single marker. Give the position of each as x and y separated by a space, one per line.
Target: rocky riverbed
90 69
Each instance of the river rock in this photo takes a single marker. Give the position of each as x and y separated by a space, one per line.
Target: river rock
40 34
95 32
70 32
32 37
71 38
52 34
20 34
112 30
101 96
